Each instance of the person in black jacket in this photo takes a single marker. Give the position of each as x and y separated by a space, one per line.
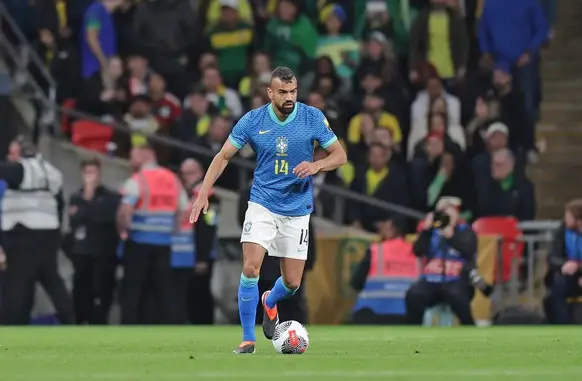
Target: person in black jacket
448 249
564 263
295 307
91 245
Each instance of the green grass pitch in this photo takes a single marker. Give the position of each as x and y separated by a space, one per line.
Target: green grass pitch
336 353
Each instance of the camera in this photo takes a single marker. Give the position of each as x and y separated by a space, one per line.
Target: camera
441 220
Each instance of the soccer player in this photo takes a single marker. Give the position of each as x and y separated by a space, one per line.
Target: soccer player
283 134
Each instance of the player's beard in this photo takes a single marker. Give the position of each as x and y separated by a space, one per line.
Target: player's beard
286 108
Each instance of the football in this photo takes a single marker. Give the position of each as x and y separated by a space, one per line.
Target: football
290 338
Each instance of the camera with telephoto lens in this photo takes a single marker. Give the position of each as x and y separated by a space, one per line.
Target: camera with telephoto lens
440 220
479 283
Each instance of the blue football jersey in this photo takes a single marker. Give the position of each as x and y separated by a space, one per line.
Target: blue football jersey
280 146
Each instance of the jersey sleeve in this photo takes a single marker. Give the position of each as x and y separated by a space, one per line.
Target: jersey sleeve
130 192
323 132
240 134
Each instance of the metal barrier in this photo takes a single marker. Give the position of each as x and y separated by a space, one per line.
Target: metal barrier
537 238
21 56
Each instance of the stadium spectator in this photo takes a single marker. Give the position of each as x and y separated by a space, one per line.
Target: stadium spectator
91 244
137 79
165 32
217 134
510 38
439 176
53 16
258 77
384 179
332 114
565 274
485 112
232 40
225 99
210 12
513 113
291 38
438 35
437 121
99 41
342 48
140 121
194 121
325 69
424 100
362 125
102 94
505 192
165 106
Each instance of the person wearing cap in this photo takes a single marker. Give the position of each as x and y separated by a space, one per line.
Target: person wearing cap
342 48
231 39
448 249
31 213
496 136
212 9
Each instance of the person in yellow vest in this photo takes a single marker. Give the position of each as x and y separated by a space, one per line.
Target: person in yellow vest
153 204
194 247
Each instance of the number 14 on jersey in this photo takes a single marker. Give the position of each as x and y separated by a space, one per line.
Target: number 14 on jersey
281 167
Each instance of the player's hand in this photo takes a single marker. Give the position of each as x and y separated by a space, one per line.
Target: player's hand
569 268
200 205
306 169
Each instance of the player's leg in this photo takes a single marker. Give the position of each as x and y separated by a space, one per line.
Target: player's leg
291 245
259 229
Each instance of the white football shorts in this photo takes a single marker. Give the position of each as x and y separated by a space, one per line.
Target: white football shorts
281 236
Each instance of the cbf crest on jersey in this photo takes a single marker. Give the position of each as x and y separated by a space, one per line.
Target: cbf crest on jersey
281 145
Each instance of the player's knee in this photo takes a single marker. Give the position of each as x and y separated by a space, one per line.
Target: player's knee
251 270
292 284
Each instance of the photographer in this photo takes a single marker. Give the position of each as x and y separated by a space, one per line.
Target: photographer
448 249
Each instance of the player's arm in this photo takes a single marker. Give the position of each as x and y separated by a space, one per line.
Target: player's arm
336 157
217 166
329 142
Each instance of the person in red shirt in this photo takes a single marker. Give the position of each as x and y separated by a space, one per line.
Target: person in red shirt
166 107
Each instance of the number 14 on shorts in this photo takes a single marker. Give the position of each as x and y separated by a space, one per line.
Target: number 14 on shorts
304 237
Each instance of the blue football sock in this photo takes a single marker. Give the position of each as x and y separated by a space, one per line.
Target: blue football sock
280 291
248 299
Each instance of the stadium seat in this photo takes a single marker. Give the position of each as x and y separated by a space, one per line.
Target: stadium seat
512 246
66 125
443 315
92 135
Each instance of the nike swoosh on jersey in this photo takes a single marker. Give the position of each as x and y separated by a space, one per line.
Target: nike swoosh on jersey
246 300
261 132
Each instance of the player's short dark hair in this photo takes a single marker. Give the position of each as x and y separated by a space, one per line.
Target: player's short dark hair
91 162
282 73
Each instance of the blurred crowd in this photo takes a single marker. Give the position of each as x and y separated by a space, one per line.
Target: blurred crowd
430 98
